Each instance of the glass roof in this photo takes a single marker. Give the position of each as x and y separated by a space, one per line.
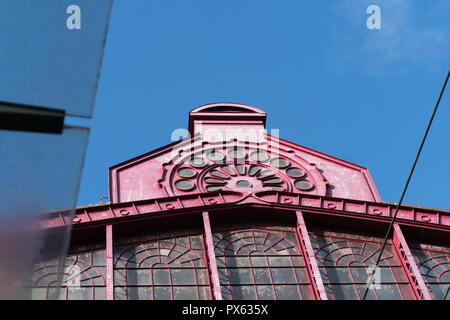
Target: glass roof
45 60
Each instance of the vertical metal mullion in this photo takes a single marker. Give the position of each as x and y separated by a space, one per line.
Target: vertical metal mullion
109 263
309 257
409 265
212 264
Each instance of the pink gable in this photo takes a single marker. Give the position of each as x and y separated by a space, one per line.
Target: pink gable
230 150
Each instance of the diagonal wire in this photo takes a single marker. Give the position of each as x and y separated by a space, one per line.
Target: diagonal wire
446 293
404 191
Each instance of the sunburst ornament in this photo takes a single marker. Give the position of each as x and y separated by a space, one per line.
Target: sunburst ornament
240 169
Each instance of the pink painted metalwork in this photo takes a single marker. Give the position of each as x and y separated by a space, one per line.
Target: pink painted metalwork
261 262
212 264
423 217
216 130
231 163
169 268
345 260
109 263
409 265
83 277
433 262
308 253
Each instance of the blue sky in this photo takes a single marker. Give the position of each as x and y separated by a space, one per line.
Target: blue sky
326 81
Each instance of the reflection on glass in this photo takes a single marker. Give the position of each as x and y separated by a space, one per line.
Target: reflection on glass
40 173
261 263
39 48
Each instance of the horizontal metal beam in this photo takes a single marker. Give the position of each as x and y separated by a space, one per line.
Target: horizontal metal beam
20 117
357 209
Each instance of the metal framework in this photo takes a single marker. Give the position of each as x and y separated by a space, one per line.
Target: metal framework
433 263
261 263
298 260
345 259
83 277
313 226
171 268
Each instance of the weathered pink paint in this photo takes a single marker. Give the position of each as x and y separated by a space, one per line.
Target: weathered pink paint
409 265
310 258
356 209
109 263
149 175
236 121
212 264
144 189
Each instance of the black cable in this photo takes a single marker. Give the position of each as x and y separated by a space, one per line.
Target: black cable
404 190
446 293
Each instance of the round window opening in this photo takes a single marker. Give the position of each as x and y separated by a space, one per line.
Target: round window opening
236 154
279 163
215 156
197 162
186 173
303 185
259 156
295 173
243 184
184 185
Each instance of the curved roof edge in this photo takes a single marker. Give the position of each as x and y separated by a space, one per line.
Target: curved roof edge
225 111
226 107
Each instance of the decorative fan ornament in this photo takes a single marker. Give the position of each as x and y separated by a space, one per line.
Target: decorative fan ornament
241 170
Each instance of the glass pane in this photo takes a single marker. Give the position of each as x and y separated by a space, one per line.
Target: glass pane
360 275
439 291
39 293
56 293
162 293
161 276
186 276
261 275
407 292
392 275
287 292
265 293
344 292
223 276
119 277
39 47
120 293
243 293
196 243
40 173
98 258
100 293
240 276
259 261
185 293
138 293
85 257
307 292
370 293
388 292
302 275
283 275
205 293
138 277
226 292
80 293
338 275
280 261
237 261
